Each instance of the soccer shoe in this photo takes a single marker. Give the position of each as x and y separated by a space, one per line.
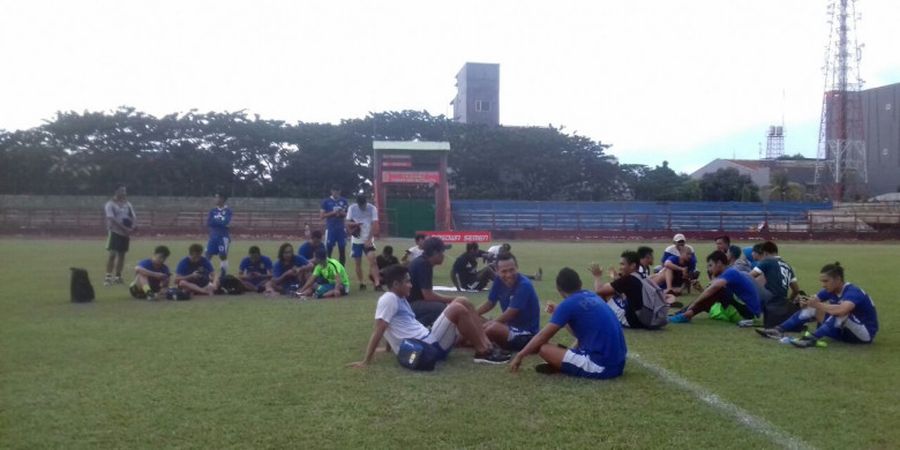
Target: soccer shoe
545 369
808 340
539 275
108 280
492 356
771 333
747 323
118 280
151 296
679 318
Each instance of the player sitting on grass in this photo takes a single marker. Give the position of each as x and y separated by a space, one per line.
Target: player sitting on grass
383 261
289 272
415 251
425 302
308 248
520 317
625 293
600 349
845 312
151 275
678 271
645 256
218 220
774 277
256 270
329 278
718 298
465 274
195 273
395 321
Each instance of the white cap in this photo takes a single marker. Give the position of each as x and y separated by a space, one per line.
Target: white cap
678 237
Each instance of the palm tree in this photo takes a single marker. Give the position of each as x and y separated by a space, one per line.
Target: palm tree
781 188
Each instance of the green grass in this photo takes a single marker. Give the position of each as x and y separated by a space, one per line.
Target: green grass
255 372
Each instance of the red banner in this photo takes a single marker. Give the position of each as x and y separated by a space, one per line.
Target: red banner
410 177
460 236
398 163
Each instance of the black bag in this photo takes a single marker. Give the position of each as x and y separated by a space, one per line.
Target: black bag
415 354
176 294
81 289
232 285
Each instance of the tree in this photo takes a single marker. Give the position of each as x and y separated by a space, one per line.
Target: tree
781 188
660 183
728 185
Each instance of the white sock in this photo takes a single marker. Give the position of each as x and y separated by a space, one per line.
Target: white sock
224 267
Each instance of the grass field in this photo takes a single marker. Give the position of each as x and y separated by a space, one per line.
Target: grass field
250 371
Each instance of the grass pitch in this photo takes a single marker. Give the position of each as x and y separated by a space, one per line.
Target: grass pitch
249 371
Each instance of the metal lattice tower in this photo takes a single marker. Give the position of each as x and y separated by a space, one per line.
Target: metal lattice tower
841 168
775 142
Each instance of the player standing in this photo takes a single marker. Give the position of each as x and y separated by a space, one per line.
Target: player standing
120 222
333 210
363 243
218 220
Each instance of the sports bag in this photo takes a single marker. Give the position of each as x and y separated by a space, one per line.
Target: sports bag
80 288
174 293
232 285
416 354
655 311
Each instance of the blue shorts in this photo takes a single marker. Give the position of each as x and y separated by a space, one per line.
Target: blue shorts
323 288
336 236
218 245
357 250
579 363
846 329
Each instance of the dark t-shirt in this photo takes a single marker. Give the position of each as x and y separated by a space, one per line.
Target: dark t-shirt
385 261
466 265
421 273
633 290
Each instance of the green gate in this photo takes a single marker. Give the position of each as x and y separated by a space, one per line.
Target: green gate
406 216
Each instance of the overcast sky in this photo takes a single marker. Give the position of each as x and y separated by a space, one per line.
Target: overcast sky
687 81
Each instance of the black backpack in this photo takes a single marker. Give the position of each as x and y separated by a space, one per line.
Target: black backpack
232 285
80 288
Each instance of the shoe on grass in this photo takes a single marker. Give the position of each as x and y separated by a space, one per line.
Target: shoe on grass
679 318
539 275
362 287
771 333
492 356
808 341
545 369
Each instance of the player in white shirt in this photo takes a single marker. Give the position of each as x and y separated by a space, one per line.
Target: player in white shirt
362 219
415 251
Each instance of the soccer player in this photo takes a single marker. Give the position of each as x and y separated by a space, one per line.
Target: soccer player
289 272
333 210
600 349
363 243
774 277
846 313
383 261
120 223
678 270
751 257
329 278
256 270
308 248
415 251
195 273
645 256
151 275
394 321
425 302
625 293
723 244
718 298
465 274
520 317
218 220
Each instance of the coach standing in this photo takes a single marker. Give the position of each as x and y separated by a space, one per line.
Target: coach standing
120 222
333 210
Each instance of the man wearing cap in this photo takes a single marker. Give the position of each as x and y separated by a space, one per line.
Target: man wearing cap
333 210
679 265
364 217
425 303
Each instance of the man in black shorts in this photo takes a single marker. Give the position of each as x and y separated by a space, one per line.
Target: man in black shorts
465 273
425 303
625 293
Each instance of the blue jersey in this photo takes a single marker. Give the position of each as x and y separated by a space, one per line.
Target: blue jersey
742 285
863 307
186 267
522 297
330 205
257 269
218 221
281 267
148 264
748 253
308 251
676 259
595 326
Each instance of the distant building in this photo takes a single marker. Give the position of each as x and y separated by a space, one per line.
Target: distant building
881 122
800 171
478 94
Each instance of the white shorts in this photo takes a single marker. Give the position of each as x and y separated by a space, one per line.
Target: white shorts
443 333
616 304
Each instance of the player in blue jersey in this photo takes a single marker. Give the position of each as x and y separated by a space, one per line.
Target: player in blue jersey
520 317
732 296
151 275
334 210
846 313
218 220
289 272
313 243
600 351
256 270
679 267
195 273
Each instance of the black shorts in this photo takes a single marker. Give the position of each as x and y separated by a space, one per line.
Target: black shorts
517 339
117 243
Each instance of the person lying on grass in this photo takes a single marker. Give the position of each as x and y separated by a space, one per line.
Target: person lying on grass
151 275
846 313
195 273
719 297
600 349
395 321
520 317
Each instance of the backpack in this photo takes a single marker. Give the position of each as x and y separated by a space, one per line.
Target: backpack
80 288
416 354
232 285
176 294
655 311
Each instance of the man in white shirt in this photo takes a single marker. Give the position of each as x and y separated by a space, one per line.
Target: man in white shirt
415 251
362 221
120 222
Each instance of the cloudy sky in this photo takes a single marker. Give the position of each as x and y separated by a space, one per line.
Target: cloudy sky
683 81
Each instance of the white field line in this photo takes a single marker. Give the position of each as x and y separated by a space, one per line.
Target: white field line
741 416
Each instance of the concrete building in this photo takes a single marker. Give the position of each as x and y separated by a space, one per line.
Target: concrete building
800 171
881 122
478 94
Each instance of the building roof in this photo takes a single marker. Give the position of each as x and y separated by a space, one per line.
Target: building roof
419 146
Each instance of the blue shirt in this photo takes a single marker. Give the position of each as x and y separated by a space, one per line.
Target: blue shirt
186 267
863 307
308 251
743 286
280 268
748 253
329 205
258 269
595 326
521 296
218 220
148 264
676 259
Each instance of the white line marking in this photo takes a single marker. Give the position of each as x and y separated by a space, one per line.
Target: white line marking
743 417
